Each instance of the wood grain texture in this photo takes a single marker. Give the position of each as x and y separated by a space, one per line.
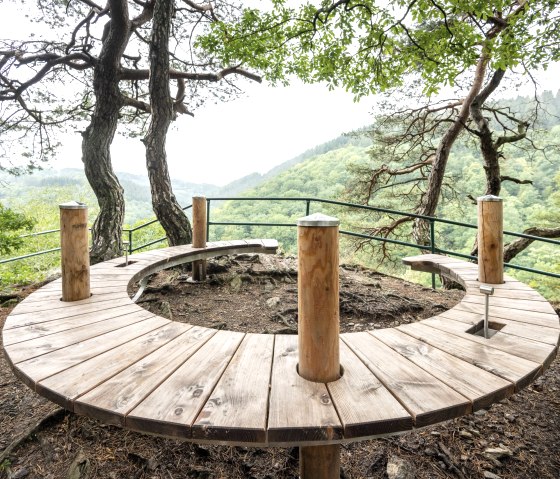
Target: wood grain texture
318 309
74 253
511 303
171 409
319 462
237 409
548 320
112 399
521 330
490 241
427 399
53 301
528 349
199 235
299 410
512 368
25 333
364 404
37 347
481 387
53 362
27 319
77 370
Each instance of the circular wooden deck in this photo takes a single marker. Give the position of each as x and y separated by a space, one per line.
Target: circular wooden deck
107 358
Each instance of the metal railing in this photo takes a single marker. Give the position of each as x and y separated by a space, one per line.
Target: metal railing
432 221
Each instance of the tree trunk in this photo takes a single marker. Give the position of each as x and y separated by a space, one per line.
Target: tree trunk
430 199
512 249
167 209
98 136
489 149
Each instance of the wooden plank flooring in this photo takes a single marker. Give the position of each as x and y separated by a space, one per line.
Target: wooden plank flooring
107 358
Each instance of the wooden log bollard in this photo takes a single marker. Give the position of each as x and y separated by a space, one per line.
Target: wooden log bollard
318 326
199 236
490 240
74 255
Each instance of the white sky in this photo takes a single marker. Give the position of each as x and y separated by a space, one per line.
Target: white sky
226 141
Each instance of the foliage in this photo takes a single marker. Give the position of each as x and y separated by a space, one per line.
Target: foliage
367 46
12 224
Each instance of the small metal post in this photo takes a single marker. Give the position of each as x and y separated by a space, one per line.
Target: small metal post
487 291
125 247
307 207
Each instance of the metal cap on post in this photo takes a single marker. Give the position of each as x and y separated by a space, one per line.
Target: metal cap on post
490 239
74 255
318 325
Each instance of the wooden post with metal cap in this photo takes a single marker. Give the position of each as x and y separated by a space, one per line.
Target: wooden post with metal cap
318 325
199 235
74 254
490 240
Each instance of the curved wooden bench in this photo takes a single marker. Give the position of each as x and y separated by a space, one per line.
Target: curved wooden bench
107 358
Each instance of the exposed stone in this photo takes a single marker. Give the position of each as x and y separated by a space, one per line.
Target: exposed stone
491 475
79 468
497 452
273 302
19 474
398 468
236 283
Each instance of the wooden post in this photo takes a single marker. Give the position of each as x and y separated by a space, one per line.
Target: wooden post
318 325
490 240
74 256
199 236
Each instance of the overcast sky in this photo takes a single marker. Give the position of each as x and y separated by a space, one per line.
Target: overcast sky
254 133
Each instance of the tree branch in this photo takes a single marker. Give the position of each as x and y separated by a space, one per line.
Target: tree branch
512 249
131 74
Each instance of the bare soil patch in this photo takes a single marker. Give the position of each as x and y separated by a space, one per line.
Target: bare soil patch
517 438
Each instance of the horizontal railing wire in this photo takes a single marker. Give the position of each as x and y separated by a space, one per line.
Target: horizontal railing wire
432 219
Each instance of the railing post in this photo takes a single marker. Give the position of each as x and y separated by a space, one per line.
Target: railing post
199 235
307 207
74 253
208 219
490 240
318 325
433 246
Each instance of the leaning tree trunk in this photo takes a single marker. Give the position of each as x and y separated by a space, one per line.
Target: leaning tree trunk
167 209
430 199
98 136
490 150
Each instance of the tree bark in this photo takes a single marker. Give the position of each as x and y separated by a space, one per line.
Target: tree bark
430 198
165 205
98 136
512 249
488 148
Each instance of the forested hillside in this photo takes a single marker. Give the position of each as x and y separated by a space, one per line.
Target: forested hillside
327 171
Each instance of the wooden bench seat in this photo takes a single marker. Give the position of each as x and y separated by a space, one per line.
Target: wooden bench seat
107 358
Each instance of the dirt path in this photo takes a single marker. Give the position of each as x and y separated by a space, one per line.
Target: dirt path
518 438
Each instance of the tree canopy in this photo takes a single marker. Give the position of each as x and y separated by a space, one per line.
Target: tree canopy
367 46
89 72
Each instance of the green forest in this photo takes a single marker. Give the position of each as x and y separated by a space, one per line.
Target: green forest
327 171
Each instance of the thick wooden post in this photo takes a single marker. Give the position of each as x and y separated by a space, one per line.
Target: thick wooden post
318 326
74 256
199 235
490 240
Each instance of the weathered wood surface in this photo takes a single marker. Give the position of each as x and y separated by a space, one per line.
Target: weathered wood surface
490 239
112 360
